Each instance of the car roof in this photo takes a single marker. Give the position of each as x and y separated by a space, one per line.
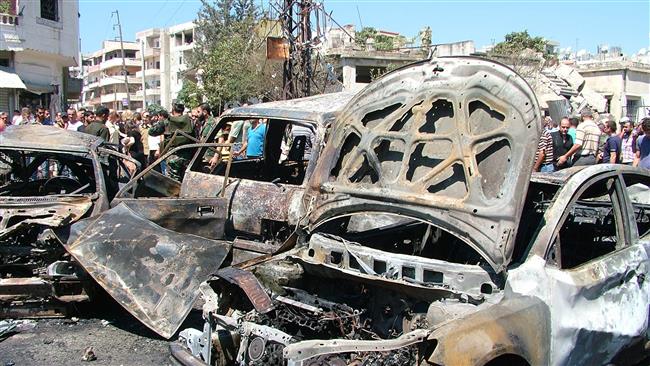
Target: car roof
560 177
39 137
319 108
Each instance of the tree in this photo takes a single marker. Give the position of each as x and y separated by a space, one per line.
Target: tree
382 42
189 95
230 56
525 54
518 42
154 108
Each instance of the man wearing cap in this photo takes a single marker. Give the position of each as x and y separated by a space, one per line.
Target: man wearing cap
97 126
585 147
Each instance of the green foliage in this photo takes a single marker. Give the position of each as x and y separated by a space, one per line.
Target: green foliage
154 108
382 42
230 57
5 6
518 42
189 95
376 73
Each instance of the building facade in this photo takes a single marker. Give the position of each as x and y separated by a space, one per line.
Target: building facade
39 41
104 80
165 53
624 83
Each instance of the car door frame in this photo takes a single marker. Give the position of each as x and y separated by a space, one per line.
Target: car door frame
604 272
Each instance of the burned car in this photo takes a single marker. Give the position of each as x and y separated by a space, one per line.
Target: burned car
425 240
163 237
52 178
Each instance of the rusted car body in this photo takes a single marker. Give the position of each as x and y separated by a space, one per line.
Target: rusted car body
425 241
243 209
53 178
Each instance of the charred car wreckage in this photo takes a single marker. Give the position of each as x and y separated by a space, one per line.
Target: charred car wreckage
424 240
51 179
408 231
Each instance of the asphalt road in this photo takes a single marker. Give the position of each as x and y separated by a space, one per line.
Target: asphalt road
115 336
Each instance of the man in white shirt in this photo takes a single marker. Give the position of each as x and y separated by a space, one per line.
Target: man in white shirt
73 122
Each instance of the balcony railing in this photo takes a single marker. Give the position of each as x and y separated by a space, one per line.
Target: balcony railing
8 19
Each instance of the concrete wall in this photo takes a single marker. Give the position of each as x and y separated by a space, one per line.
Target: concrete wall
44 48
55 37
620 84
463 48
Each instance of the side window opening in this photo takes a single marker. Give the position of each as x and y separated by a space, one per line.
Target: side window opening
31 173
538 200
286 149
592 227
638 191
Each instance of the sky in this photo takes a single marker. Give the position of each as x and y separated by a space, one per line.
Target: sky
578 24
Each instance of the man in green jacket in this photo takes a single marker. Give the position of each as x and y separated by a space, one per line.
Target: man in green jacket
97 126
177 123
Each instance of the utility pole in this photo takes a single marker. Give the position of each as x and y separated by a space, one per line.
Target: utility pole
296 27
124 71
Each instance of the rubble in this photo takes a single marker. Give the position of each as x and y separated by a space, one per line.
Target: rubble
89 355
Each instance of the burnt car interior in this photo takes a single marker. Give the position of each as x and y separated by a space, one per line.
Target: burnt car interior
402 235
284 159
74 174
592 226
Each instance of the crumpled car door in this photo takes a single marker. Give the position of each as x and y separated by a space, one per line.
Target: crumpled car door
153 272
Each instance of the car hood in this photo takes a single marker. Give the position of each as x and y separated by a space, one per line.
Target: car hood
448 140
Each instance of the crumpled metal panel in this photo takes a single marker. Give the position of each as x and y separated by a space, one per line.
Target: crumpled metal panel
38 137
51 211
151 271
250 285
250 201
448 140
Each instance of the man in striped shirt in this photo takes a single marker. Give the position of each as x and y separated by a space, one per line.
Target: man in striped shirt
551 146
585 147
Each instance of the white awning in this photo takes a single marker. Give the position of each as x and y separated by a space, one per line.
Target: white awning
38 88
10 80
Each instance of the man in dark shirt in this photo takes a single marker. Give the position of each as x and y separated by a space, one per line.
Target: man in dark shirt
553 145
611 153
97 126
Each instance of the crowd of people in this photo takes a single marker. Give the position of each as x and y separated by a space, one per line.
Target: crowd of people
145 136
577 141
573 141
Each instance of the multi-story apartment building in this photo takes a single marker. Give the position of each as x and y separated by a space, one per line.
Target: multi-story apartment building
165 53
104 79
152 42
39 41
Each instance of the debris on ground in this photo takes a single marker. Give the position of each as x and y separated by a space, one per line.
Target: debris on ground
89 355
10 326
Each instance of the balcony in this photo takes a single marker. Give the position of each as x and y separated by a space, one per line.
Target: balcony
149 72
8 19
118 97
151 52
150 92
93 85
117 62
117 79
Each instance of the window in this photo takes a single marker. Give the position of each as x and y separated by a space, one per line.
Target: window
50 10
592 226
638 190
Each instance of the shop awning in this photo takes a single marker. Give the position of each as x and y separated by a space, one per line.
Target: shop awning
10 80
38 88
